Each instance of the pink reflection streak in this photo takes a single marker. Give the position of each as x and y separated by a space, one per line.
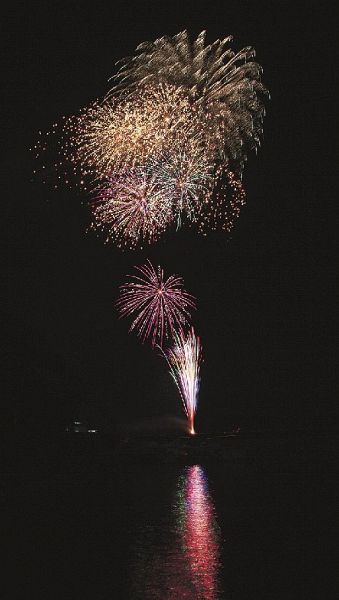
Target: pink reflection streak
186 567
200 535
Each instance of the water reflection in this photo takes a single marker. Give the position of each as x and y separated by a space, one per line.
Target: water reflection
179 557
199 532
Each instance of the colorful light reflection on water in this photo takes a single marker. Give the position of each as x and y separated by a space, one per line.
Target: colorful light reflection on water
180 558
199 533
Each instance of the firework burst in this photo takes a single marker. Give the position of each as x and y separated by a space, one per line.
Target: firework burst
184 361
132 208
159 306
185 174
154 150
120 133
225 84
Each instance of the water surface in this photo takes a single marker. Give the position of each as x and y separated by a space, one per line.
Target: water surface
168 531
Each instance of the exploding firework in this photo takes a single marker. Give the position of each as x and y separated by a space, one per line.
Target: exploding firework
132 208
161 305
185 174
224 84
184 361
137 205
117 133
167 143
128 131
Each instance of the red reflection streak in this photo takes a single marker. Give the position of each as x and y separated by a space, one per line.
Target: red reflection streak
200 535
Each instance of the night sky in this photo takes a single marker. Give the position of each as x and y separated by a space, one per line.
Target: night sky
265 294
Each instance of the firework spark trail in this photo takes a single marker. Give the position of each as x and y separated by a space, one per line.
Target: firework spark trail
161 305
184 361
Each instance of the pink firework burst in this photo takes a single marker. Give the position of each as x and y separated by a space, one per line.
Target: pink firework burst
159 306
132 208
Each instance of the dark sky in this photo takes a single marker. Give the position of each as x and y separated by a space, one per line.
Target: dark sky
265 295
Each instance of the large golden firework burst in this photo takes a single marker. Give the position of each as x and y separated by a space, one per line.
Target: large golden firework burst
225 83
120 133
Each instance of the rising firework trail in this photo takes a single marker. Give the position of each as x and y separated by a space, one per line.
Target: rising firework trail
160 306
184 360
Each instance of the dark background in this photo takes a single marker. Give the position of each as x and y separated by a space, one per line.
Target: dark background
265 296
